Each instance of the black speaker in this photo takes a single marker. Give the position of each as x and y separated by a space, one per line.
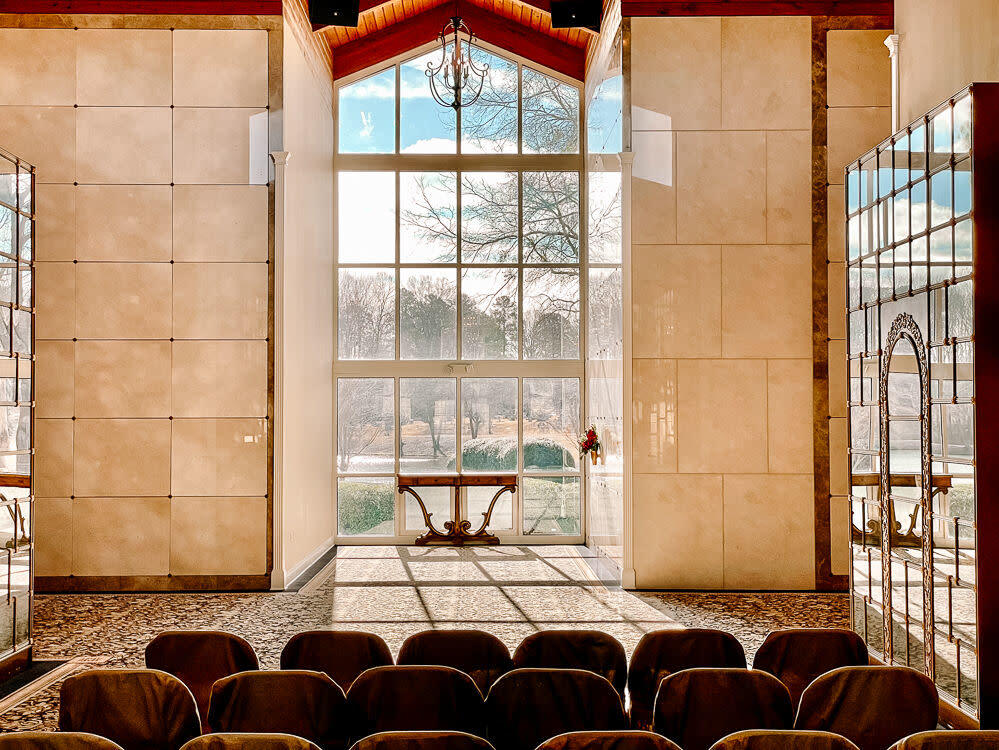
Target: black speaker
333 13
567 14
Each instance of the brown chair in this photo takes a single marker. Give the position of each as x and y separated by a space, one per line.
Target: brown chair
422 741
951 740
783 739
627 739
591 650
55 741
480 655
799 655
663 652
297 702
249 741
873 707
342 654
415 698
525 707
198 658
140 709
697 707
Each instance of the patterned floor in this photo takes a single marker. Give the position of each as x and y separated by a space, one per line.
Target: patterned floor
397 591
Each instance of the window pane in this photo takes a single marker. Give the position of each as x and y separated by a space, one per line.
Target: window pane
604 227
428 306
477 501
551 217
428 221
551 115
365 425
490 125
489 424
426 425
551 505
367 115
425 126
551 313
551 424
489 217
366 506
489 313
438 503
366 314
366 217
603 118
605 326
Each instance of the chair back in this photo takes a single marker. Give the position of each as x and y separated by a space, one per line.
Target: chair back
525 707
249 741
198 658
873 707
422 741
342 654
782 739
663 652
697 707
951 739
591 650
55 741
797 656
627 739
415 698
140 709
297 702
480 655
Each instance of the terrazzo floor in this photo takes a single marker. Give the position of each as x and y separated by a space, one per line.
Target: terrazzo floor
397 591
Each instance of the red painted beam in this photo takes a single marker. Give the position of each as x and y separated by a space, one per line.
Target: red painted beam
424 27
147 7
678 8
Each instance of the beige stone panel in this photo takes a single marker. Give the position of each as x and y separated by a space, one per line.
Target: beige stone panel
220 300
237 60
220 223
790 425
220 378
653 415
55 222
676 301
653 212
839 459
767 301
43 136
124 145
766 73
55 307
121 536
122 457
219 457
39 66
839 535
53 536
123 379
124 222
53 458
837 300
218 535
124 67
853 131
54 387
676 73
858 69
721 187
837 378
722 415
789 186
678 531
212 146
769 532
836 214
123 300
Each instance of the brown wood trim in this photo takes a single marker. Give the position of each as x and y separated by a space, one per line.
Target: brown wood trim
98 584
16 662
15 480
677 8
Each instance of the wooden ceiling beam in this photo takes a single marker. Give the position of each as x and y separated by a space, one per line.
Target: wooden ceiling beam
678 8
542 5
146 7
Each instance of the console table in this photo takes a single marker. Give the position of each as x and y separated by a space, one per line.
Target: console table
457 530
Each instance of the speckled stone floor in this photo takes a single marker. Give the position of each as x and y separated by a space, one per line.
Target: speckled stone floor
397 591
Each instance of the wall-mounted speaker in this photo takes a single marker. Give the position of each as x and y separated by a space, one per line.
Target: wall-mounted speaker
567 14
333 13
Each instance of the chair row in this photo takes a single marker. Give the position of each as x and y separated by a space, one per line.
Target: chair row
624 740
872 706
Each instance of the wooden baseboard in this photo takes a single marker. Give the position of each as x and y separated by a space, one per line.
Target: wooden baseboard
103 584
15 663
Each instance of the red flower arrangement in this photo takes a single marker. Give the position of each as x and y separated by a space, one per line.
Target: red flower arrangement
590 443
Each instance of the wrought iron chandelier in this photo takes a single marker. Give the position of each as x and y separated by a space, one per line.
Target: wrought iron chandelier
456 81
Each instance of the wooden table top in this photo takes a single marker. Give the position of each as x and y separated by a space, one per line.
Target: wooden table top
453 479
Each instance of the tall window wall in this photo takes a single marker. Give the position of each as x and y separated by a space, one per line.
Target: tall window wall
461 267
